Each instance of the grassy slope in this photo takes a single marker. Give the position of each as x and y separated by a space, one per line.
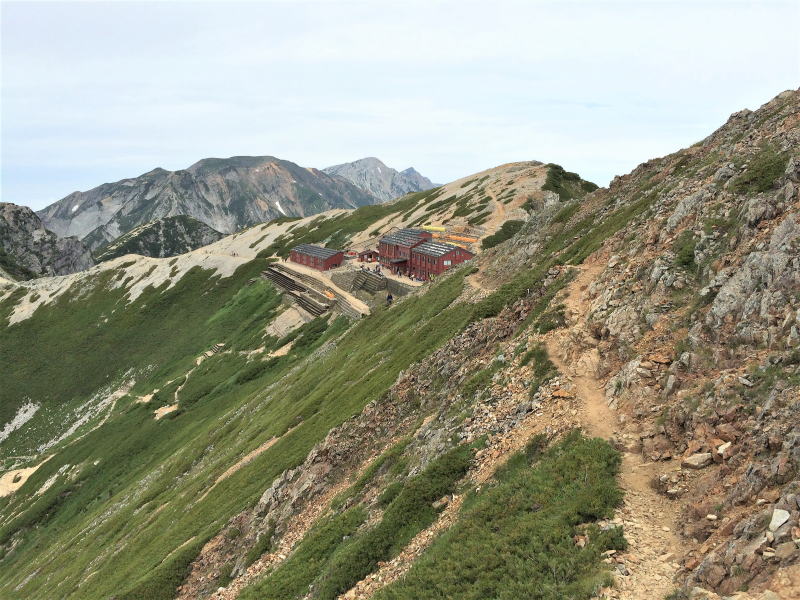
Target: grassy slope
139 500
145 464
131 340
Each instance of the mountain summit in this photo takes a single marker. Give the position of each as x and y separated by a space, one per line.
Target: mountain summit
374 177
224 193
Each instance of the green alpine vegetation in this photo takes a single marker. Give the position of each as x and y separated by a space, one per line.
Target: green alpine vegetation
506 231
566 184
159 489
514 538
761 172
162 238
135 464
335 556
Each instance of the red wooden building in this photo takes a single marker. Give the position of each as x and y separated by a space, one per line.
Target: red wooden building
434 258
316 257
395 248
368 255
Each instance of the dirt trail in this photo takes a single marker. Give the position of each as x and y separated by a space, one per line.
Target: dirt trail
597 417
246 459
648 518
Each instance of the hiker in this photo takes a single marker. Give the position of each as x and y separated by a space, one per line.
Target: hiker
389 299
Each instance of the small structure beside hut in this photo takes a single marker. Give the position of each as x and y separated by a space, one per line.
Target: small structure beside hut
369 255
316 257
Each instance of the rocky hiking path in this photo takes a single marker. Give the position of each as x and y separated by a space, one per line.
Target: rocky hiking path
647 568
644 571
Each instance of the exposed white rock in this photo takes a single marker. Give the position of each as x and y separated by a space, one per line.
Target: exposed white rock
24 414
779 517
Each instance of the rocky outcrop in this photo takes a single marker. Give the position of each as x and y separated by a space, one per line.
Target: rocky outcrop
29 250
226 194
696 313
169 236
378 180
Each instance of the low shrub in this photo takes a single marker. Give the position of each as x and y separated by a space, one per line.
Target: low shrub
761 172
390 493
506 231
263 545
543 368
514 539
480 380
684 250
566 184
552 319
293 577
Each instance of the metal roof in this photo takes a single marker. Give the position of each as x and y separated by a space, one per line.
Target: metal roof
401 239
435 248
318 251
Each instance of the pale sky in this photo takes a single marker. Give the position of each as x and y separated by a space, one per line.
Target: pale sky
96 92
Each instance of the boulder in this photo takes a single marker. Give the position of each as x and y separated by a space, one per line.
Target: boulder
786 551
779 517
697 461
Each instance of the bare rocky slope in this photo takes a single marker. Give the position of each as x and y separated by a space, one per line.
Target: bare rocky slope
163 238
225 193
429 450
29 250
375 178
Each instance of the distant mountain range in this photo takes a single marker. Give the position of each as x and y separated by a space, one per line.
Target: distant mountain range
226 194
382 182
